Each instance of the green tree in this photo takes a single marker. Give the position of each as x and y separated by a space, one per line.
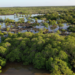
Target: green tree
39 61
2 50
60 25
2 61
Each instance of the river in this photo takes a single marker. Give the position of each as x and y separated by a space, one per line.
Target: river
19 69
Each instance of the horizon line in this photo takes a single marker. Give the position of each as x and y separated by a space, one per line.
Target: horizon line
41 6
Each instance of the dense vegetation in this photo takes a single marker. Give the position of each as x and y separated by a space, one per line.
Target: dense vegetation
54 16
45 51
71 28
34 10
49 51
67 16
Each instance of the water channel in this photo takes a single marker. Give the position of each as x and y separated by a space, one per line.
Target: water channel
19 69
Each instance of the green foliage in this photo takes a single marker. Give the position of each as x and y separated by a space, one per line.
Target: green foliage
61 21
4 33
58 66
7 44
52 16
8 29
71 28
38 10
1 34
21 20
45 24
45 51
0 67
63 30
39 61
62 55
36 20
52 22
73 62
0 26
0 71
9 21
2 61
14 55
1 20
35 24
49 51
58 32
2 50
28 22
60 25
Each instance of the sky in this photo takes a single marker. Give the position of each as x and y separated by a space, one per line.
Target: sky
26 3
